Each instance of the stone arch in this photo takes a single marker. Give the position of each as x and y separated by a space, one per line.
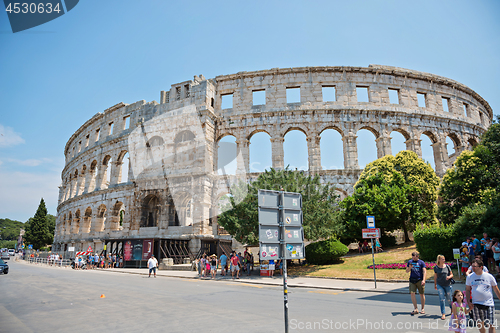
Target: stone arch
455 142
98 225
370 129
116 218
80 182
366 146
69 224
76 222
173 217
74 183
92 176
295 149
402 131
261 159
184 205
150 212
155 141
185 147
431 136
106 172
399 140
184 136
342 193
300 128
87 220
223 135
62 225
257 131
123 167
331 148
429 154
472 142
332 127
227 155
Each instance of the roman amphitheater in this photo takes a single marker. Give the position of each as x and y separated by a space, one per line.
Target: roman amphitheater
147 171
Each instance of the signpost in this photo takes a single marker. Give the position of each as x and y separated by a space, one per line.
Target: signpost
456 255
281 235
371 232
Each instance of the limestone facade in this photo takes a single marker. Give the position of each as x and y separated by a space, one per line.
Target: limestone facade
101 200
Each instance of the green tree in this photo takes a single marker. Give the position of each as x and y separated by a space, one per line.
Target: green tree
319 203
400 191
37 228
474 178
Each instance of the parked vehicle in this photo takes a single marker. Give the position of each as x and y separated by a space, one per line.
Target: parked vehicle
5 255
4 268
12 252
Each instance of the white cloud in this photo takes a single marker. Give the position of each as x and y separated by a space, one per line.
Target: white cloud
8 137
21 193
30 162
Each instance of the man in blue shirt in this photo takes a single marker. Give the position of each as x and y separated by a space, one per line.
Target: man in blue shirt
418 276
476 244
223 263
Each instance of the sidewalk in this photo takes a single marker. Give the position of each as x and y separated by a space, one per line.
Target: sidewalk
397 287
295 281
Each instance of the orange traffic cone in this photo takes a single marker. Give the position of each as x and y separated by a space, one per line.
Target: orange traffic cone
102 296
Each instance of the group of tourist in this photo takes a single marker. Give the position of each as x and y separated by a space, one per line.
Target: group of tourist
487 249
208 265
98 261
477 299
363 246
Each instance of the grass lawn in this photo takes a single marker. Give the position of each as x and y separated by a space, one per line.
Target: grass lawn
355 266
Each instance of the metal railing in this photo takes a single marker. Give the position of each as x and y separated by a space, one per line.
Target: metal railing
49 262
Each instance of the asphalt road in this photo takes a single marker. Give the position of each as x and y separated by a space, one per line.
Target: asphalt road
37 298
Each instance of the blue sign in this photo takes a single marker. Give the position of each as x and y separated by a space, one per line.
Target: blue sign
30 247
370 222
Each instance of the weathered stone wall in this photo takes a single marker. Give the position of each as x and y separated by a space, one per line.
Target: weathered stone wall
90 206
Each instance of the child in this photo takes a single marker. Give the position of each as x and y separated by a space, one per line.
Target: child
465 262
458 322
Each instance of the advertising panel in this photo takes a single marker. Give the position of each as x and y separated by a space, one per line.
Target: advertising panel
137 249
147 249
127 251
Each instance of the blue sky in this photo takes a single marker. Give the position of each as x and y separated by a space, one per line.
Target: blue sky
56 76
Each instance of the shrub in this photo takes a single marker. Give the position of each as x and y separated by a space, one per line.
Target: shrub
325 252
434 239
9 244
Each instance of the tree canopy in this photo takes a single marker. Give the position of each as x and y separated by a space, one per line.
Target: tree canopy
400 191
474 178
319 203
37 228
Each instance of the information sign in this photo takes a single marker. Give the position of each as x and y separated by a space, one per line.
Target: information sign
456 254
371 233
370 221
294 251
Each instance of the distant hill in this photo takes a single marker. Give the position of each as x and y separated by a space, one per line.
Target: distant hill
9 229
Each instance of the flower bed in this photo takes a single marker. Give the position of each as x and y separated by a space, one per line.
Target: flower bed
428 265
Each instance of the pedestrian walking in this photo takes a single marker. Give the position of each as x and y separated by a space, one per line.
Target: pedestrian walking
213 266
483 307
223 263
418 274
442 283
458 321
235 267
152 264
